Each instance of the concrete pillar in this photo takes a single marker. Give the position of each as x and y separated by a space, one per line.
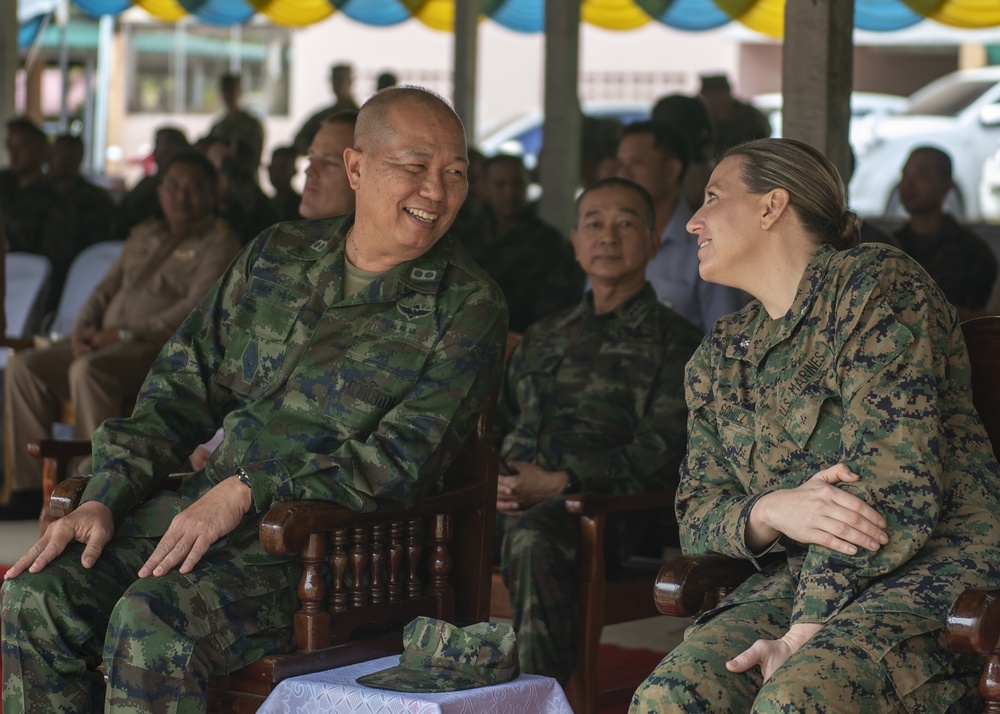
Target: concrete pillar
465 65
817 64
559 163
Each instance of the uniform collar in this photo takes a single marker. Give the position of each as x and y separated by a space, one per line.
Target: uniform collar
421 276
757 333
631 313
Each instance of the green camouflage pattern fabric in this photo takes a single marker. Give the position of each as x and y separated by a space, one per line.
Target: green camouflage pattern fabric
600 394
871 663
159 637
603 396
867 368
360 401
440 657
530 260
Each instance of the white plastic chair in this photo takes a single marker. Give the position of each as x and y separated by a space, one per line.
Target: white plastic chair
85 273
27 284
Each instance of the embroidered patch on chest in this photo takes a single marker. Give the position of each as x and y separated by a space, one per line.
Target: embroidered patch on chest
805 375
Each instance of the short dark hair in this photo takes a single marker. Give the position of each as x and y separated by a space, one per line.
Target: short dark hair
649 211
941 159
229 81
29 127
290 151
73 142
689 115
172 135
667 139
344 116
194 158
386 79
504 159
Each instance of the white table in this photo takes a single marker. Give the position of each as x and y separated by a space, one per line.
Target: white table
336 691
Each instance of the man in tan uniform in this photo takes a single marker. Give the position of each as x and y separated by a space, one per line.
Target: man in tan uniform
166 267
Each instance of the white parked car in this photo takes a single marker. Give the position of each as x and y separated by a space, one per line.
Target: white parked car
958 113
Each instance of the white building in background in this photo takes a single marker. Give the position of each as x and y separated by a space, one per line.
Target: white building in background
166 74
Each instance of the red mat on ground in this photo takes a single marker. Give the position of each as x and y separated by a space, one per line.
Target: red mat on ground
619 665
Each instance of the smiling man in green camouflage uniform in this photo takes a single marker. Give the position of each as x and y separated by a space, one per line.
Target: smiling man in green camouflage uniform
593 400
347 360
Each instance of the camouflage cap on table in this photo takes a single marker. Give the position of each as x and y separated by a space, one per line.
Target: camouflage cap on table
439 657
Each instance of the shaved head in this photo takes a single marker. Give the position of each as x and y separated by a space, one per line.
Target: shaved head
374 124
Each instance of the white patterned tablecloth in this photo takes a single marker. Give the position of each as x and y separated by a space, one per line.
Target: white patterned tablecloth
336 691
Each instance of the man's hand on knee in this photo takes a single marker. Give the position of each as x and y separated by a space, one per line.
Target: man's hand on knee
91 524
195 529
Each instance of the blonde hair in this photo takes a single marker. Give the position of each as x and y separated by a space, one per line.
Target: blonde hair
815 189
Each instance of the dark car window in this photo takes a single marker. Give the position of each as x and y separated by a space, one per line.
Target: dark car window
949 100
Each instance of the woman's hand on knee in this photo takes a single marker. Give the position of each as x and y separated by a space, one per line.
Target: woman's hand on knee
771 654
819 513
767 654
91 524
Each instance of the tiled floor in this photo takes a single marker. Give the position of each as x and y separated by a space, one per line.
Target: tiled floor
658 634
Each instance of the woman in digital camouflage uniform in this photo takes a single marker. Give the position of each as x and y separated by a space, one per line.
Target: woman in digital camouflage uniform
833 416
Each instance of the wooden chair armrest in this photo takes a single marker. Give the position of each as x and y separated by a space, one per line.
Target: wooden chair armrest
66 495
62 449
597 504
689 585
287 526
973 625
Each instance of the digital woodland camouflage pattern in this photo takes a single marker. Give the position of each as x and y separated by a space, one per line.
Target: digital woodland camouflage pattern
440 657
867 368
602 395
360 401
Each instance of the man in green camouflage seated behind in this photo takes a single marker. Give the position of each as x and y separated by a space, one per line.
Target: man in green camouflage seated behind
593 400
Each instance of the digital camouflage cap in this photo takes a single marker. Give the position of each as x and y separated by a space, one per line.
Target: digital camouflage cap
440 657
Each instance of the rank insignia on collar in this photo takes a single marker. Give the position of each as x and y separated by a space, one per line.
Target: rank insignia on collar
423 274
319 244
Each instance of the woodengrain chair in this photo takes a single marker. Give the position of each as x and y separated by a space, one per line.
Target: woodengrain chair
365 575
608 593
689 585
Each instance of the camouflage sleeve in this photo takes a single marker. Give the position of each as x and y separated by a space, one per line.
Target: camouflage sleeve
712 505
901 363
649 461
219 249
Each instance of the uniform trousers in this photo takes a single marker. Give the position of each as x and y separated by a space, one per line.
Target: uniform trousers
859 663
159 637
37 383
538 563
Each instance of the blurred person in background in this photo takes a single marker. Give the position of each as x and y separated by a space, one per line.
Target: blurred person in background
341 82
238 125
735 121
165 268
960 262
142 202
281 172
